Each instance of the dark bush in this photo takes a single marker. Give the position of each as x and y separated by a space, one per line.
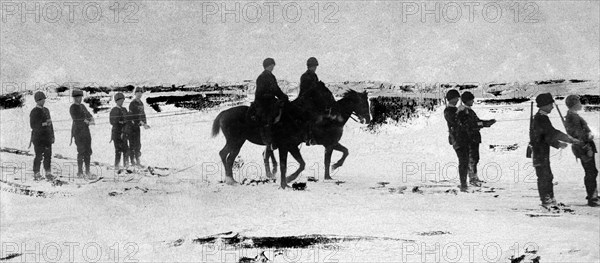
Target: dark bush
398 109
11 100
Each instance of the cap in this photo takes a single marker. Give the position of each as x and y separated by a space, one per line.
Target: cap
451 94
39 96
268 62
467 96
544 99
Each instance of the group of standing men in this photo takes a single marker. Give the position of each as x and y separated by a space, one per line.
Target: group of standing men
125 132
464 136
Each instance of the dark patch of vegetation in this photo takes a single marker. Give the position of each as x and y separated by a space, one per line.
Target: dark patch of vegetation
398 109
591 108
61 89
551 81
172 88
589 99
11 100
466 86
496 84
195 101
303 241
495 92
95 103
578 80
128 88
93 90
505 101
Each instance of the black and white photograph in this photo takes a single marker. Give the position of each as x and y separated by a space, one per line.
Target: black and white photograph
299 131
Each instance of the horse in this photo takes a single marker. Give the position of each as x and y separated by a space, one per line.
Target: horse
287 134
238 128
329 131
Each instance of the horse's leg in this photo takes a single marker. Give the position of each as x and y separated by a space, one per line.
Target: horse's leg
267 164
344 150
224 153
268 154
328 152
296 154
274 162
234 150
283 167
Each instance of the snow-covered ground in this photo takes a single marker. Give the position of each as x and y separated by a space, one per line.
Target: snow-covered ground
158 220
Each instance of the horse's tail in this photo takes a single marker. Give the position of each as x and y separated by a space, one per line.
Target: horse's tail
216 125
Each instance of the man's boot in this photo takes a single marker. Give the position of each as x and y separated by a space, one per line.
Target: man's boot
125 160
593 200
87 165
37 176
474 179
547 202
117 160
463 184
79 167
49 176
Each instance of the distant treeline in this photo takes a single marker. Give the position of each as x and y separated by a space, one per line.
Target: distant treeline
505 101
398 109
130 88
195 102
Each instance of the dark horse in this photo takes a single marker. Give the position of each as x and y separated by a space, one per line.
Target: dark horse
288 133
328 132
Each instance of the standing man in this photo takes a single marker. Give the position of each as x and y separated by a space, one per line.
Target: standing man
266 100
119 122
80 130
452 96
42 136
578 128
138 117
468 139
544 135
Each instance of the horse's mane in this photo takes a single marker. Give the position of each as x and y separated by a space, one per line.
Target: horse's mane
350 93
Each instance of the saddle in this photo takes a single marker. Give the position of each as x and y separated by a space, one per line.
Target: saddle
253 114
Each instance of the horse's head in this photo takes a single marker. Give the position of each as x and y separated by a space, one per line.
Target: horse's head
360 105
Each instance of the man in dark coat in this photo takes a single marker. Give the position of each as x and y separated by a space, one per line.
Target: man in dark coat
138 118
42 136
578 128
450 115
313 91
120 124
314 97
543 136
266 99
80 130
309 79
468 139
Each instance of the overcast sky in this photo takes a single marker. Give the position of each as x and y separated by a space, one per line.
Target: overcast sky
180 42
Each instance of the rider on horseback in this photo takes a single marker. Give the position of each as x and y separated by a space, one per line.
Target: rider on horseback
318 99
266 100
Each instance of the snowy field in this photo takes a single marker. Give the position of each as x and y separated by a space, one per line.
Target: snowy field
417 217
